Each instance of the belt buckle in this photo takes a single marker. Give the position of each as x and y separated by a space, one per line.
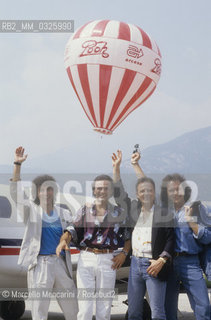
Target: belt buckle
95 250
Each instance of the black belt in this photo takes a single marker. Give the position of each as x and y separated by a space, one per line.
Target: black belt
183 254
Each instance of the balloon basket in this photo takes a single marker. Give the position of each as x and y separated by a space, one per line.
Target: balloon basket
103 130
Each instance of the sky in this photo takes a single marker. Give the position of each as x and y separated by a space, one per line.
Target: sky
39 109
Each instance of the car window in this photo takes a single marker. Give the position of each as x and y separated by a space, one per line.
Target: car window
63 206
5 208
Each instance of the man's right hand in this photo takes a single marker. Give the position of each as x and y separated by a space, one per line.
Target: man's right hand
135 158
19 155
61 246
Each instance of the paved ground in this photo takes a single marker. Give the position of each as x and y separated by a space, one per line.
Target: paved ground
118 310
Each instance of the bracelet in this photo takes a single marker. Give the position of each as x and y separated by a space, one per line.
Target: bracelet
191 219
134 162
162 259
125 252
17 163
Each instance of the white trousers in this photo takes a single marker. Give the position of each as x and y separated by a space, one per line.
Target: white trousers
94 272
51 273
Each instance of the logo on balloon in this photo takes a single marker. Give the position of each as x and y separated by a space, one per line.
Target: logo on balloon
92 47
157 68
134 52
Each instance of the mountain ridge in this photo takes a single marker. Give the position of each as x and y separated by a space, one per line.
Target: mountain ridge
188 153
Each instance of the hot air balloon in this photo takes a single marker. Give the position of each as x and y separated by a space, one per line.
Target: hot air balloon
113 67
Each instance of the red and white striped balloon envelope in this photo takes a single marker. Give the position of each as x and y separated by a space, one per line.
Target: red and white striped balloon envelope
113 67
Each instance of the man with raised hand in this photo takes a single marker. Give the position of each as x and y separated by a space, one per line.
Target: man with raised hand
45 223
152 243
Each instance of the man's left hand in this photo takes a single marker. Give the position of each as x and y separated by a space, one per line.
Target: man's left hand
189 215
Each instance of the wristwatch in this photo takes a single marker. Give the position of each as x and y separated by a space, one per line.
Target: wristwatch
125 252
163 260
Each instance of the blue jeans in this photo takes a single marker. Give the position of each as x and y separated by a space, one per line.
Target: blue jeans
139 281
187 269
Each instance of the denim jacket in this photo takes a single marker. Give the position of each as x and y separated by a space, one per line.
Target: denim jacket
205 239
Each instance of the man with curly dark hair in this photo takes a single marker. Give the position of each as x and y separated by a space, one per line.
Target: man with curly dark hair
45 223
